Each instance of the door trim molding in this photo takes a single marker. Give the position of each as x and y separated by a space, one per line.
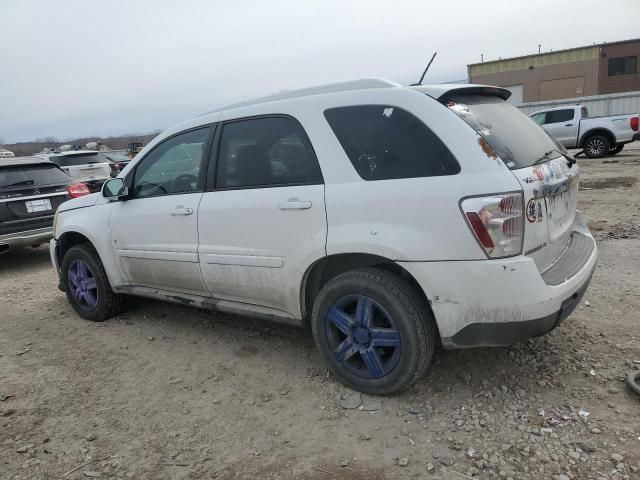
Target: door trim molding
189 257
244 260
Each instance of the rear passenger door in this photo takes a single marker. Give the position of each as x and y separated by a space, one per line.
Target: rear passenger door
262 219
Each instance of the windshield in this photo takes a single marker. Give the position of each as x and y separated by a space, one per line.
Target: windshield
31 175
514 136
77 159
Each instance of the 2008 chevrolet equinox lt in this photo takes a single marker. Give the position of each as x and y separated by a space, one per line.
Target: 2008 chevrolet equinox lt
388 218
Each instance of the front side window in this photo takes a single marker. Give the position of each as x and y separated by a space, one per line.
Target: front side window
558 116
265 152
623 66
539 118
173 166
385 142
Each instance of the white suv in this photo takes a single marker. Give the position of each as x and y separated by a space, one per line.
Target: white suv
390 219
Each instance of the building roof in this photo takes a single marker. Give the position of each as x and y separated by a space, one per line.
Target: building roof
595 45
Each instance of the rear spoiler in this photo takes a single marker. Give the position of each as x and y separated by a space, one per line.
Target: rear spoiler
444 91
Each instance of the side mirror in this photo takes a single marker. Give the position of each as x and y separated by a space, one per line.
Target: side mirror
114 189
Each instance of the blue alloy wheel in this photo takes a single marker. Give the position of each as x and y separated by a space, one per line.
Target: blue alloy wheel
82 285
363 337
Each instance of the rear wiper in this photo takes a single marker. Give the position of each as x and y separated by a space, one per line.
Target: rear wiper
23 182
545 156
571 160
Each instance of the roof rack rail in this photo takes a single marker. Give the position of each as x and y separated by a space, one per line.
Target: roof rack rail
361 84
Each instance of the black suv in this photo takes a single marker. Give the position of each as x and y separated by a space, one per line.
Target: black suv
31 189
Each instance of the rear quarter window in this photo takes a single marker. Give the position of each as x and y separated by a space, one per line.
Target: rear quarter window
385 142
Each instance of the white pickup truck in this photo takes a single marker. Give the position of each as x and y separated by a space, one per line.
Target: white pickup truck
597 136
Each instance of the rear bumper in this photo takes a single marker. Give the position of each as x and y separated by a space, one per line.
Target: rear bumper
486 303
25 239
508 333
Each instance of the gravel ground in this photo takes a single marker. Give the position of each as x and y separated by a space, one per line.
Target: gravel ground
168 392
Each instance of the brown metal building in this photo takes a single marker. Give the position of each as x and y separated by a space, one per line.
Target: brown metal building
575 72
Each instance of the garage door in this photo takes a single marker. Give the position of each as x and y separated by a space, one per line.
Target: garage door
562 88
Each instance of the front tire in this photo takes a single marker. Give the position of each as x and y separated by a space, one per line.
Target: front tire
597 146
87 286
374 331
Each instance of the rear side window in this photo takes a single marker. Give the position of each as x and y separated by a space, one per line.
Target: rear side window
79 159
265 152
557 116
385 142
31 175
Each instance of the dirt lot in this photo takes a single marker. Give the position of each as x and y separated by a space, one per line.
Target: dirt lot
166 392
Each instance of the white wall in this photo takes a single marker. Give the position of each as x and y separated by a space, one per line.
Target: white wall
610 104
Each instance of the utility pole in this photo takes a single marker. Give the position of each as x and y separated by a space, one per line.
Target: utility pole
539 46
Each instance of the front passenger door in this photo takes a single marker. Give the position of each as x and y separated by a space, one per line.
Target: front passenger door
561 125
155 231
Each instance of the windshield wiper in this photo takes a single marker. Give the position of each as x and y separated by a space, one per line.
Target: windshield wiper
23 182
545 156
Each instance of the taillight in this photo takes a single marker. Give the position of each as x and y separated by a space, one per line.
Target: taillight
634 123
78 190
497 222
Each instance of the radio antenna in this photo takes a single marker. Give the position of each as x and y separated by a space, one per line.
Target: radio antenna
426 69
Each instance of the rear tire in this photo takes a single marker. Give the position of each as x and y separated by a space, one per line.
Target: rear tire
87 286
374 331
597 146
617 149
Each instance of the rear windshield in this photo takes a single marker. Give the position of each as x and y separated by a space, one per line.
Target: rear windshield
31 175
517 139
78 159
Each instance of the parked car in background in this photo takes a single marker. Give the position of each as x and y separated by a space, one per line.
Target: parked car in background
4 153
388 218
86 166
117 161
598 136
30 191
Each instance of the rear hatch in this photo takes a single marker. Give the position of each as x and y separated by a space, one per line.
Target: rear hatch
548 176
84 167
29 196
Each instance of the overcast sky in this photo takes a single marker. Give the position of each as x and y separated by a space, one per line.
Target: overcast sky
79 68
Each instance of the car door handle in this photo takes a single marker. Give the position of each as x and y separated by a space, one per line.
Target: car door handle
180 210
568 125
295 205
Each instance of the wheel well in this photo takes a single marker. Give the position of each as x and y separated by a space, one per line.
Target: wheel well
598 131
329 267
68 240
